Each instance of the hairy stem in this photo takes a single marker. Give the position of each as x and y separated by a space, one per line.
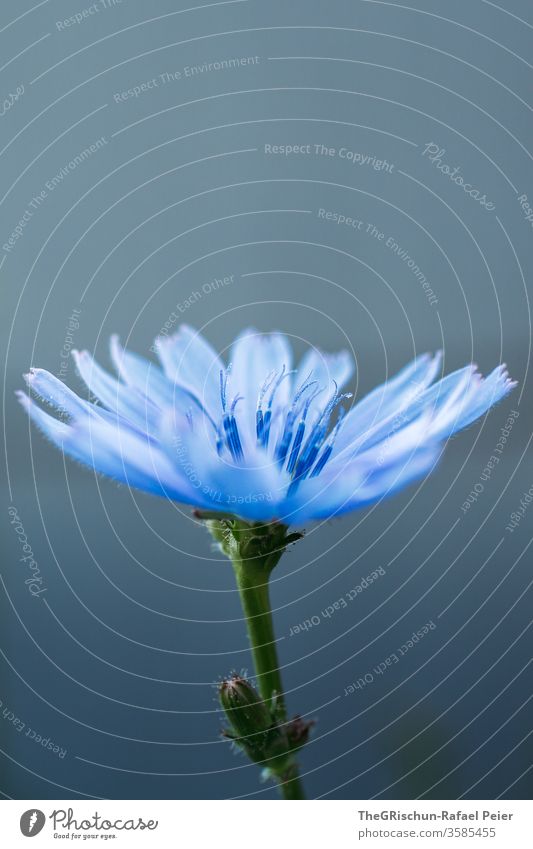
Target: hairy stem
252 580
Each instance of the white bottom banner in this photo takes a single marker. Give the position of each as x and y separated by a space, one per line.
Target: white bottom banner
266 824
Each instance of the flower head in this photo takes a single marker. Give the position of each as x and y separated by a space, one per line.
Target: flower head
256 437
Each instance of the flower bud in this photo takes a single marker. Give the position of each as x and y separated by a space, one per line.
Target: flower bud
247 714
297 731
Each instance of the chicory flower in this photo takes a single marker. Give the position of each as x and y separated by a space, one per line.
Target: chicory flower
256 437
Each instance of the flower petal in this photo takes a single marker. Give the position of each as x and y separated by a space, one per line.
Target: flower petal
53 428
131 457
472 401
432 399
120 399
389 398
76 443
191 363
57 394
143 375
369 477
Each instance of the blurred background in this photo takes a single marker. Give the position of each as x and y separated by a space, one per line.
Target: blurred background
355 174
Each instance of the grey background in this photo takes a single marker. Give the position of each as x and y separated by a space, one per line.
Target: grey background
116 662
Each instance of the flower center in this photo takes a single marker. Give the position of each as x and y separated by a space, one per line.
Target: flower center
303 449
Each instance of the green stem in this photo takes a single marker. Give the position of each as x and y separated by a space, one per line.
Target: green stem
291 785
252 580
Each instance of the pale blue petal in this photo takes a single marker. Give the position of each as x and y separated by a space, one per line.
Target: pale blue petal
474 403
122 400
53 428
382 483
433 399
388 399
191 363
75 443
132 456
57 394
142 374
322 498
125 456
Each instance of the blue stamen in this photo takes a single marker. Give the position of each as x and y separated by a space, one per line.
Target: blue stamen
300 432
267 383
322 461
316 437
259 424
296 446
263 431
259 419
326 454
232 436
286 437
223 386
229 424
237 440
266 428
232 431
235 402
279 381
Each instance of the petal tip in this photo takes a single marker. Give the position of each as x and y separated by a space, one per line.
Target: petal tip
23 398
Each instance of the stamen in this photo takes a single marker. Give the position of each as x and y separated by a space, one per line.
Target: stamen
231 430
268 415
232 436
326 453
259 418
321 462
237 440
279 381
266 384
285 439
223 374
316 437
300 432
265 432
235 402
296 447
266 418
259 424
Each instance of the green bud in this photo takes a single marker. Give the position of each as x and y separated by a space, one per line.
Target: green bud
255 730
247 714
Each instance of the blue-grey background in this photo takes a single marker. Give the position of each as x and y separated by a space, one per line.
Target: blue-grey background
115 663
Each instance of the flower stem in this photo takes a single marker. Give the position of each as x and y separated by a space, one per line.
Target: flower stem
260 728
252 581
252 578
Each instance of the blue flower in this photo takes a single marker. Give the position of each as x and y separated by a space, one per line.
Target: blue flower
258 438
